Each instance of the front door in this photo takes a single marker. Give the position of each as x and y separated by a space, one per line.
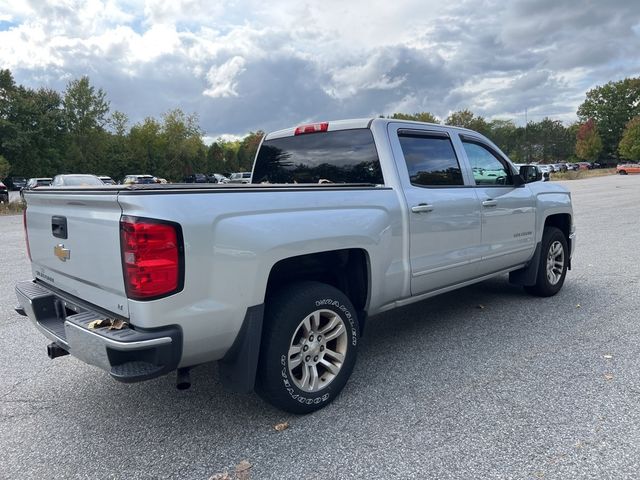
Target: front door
508 212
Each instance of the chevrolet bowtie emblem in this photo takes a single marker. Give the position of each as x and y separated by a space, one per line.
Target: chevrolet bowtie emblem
62 253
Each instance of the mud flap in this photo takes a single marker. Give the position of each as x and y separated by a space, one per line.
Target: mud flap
238 367
528 275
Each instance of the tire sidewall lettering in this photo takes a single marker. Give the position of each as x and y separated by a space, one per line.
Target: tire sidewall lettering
288 384
350 318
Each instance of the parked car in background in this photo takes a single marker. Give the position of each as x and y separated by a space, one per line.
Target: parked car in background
15 183
107 180
240 177
627 168
33 183
584 166
4 193
545 169
196 178
217 178
76 180
138 179
572 167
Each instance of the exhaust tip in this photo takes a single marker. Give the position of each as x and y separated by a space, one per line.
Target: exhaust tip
183 379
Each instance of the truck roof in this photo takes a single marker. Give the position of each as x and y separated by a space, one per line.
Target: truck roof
349 124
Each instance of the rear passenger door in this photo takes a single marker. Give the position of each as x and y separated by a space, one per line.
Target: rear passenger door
508 211
443 209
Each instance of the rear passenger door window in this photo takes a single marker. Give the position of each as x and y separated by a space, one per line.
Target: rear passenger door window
488 169
431 160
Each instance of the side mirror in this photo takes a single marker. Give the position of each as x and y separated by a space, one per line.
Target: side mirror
530 173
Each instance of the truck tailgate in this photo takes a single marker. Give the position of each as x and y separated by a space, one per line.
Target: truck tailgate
74 239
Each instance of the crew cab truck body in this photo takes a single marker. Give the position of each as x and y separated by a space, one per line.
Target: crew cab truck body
275 279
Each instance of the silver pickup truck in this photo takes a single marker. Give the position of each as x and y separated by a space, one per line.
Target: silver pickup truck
275 279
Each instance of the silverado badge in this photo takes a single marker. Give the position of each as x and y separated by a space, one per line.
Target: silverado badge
62 253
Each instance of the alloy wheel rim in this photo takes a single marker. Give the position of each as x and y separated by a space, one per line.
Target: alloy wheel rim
317 350
555 263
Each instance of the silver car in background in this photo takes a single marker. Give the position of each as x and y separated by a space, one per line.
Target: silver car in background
76 180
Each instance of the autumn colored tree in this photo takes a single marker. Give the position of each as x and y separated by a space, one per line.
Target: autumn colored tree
611 106
588 142
629 147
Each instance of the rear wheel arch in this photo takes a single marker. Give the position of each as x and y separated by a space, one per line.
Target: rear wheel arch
348 270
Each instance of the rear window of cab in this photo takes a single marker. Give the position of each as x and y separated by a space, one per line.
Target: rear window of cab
341 156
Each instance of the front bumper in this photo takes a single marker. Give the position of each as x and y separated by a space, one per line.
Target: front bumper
129 355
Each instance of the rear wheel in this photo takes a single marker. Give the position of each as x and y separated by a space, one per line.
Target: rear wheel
554 260
308 347
622 172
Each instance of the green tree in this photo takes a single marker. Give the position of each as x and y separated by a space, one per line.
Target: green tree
629 147
85 111
247 150
230 149
504 134
185 152
215 159
467 119
5 167
146 148
118 149
548 141
611 106
32 136
588 142
417 117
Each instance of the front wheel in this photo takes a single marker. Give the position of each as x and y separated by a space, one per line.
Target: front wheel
309 345
622 172
554 260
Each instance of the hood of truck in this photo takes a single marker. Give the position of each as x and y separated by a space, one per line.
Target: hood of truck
74 240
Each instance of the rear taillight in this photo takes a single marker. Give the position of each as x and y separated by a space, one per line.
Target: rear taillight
26 234
312 128
152 257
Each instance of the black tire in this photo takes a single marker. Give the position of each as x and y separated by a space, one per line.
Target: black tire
622 172
279 384
545 287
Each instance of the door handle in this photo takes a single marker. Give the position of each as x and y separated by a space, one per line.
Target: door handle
422 207
489 202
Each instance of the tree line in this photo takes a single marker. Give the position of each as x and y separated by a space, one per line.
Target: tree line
44 132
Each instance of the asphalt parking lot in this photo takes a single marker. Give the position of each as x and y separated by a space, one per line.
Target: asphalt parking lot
484 382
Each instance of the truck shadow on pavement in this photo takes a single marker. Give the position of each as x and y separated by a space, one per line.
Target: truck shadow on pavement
411 360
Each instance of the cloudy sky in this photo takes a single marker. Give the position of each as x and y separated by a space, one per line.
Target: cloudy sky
248 65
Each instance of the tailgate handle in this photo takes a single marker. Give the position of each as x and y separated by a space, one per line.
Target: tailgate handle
59 227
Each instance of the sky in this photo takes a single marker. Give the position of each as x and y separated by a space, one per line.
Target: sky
248 65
